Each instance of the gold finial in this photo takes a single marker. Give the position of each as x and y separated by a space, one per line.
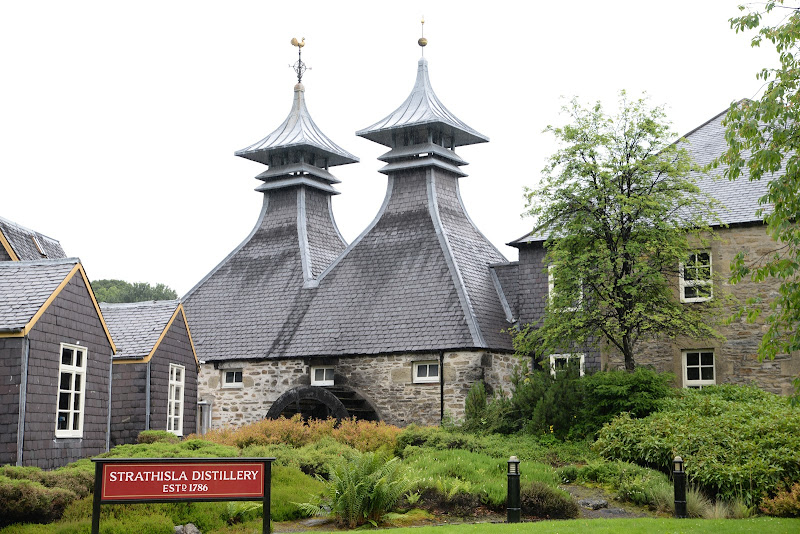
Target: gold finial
299 67
422 41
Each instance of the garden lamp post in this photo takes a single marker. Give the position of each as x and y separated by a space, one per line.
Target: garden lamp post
679 478
513 502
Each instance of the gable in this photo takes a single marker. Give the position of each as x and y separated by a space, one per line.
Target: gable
23 244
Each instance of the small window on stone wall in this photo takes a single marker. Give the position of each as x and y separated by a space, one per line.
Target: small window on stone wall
426 372
232 378
322 376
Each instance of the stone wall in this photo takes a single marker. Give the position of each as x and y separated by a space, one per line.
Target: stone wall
736 358
384 380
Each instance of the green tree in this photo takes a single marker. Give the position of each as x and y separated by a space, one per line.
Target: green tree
764 139
621 212
122 291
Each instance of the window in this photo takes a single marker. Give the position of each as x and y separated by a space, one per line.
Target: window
71 391
426 372
232 378
177 374
698 368
322 376
551 289
559 362
695 276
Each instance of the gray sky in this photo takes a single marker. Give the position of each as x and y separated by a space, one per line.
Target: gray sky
118 120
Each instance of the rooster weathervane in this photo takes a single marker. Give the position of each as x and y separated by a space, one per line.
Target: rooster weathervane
299 67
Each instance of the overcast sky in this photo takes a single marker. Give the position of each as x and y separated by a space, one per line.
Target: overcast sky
119 120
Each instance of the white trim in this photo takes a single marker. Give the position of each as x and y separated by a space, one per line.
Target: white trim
234 384
700 381
567 357
429 378
177 379
327 378
697 283
74 372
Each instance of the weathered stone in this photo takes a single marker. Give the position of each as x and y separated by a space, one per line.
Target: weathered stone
593 504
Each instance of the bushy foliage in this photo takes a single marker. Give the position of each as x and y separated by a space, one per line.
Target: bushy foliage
23 501
316 458
785 504
153 436
736 441
363 490
122 291
364 436
188 448
546 502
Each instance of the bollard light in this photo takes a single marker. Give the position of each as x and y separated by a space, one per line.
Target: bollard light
679 479
513 511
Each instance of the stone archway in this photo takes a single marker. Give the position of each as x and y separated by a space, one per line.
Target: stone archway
321 402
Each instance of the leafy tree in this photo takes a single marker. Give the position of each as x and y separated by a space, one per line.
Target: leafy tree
764 138
621 211
121 291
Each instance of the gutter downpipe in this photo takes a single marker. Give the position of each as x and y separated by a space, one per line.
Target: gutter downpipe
110 385
23 393
147 399
441 387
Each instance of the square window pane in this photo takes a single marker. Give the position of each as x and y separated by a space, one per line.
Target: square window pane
66 381
77 382
62 420
692 373
237 376
422 371
689 273
707 358
76 402
76 421
690 292
66 356
704 258
328 374
63 401
692 358
433 370
707 373
319 375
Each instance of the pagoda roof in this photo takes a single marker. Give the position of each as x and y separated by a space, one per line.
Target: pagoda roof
298 131
422 108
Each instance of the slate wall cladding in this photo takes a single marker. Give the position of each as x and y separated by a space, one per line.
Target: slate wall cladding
386 381
4 256
10 374
174 348
324 242
71 318
736 359
128 396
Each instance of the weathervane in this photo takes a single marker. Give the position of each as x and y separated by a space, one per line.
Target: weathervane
422 41
299 67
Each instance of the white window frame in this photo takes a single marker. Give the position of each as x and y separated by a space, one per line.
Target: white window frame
417 366
234 384
551 290
328 378
175 404
697 282
72 370
699 382
567 357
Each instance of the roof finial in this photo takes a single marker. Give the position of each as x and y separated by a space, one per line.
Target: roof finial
299 67
422 41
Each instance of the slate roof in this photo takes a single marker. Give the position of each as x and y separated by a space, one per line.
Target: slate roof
25 286
23 243
417 279
137 326
421 108
739 198
297 131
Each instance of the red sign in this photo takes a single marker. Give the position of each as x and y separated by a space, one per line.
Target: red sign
123 481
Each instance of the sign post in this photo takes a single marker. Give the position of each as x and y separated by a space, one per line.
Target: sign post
140 480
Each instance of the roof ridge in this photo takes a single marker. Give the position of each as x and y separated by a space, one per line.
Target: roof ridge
21 227
43 261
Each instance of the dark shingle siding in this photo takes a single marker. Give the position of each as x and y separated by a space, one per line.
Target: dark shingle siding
4 255
10 375
71 318
324 241
128 398
508 275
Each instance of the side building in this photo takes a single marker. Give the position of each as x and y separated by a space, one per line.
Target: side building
704 276
55 360
154 370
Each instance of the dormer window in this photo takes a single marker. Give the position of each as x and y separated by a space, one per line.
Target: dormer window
38 244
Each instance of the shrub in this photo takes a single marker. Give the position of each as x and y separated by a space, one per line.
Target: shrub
153 436
23 501
609 393
140 524
737 441
475 407
545 502
785 504
362 490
